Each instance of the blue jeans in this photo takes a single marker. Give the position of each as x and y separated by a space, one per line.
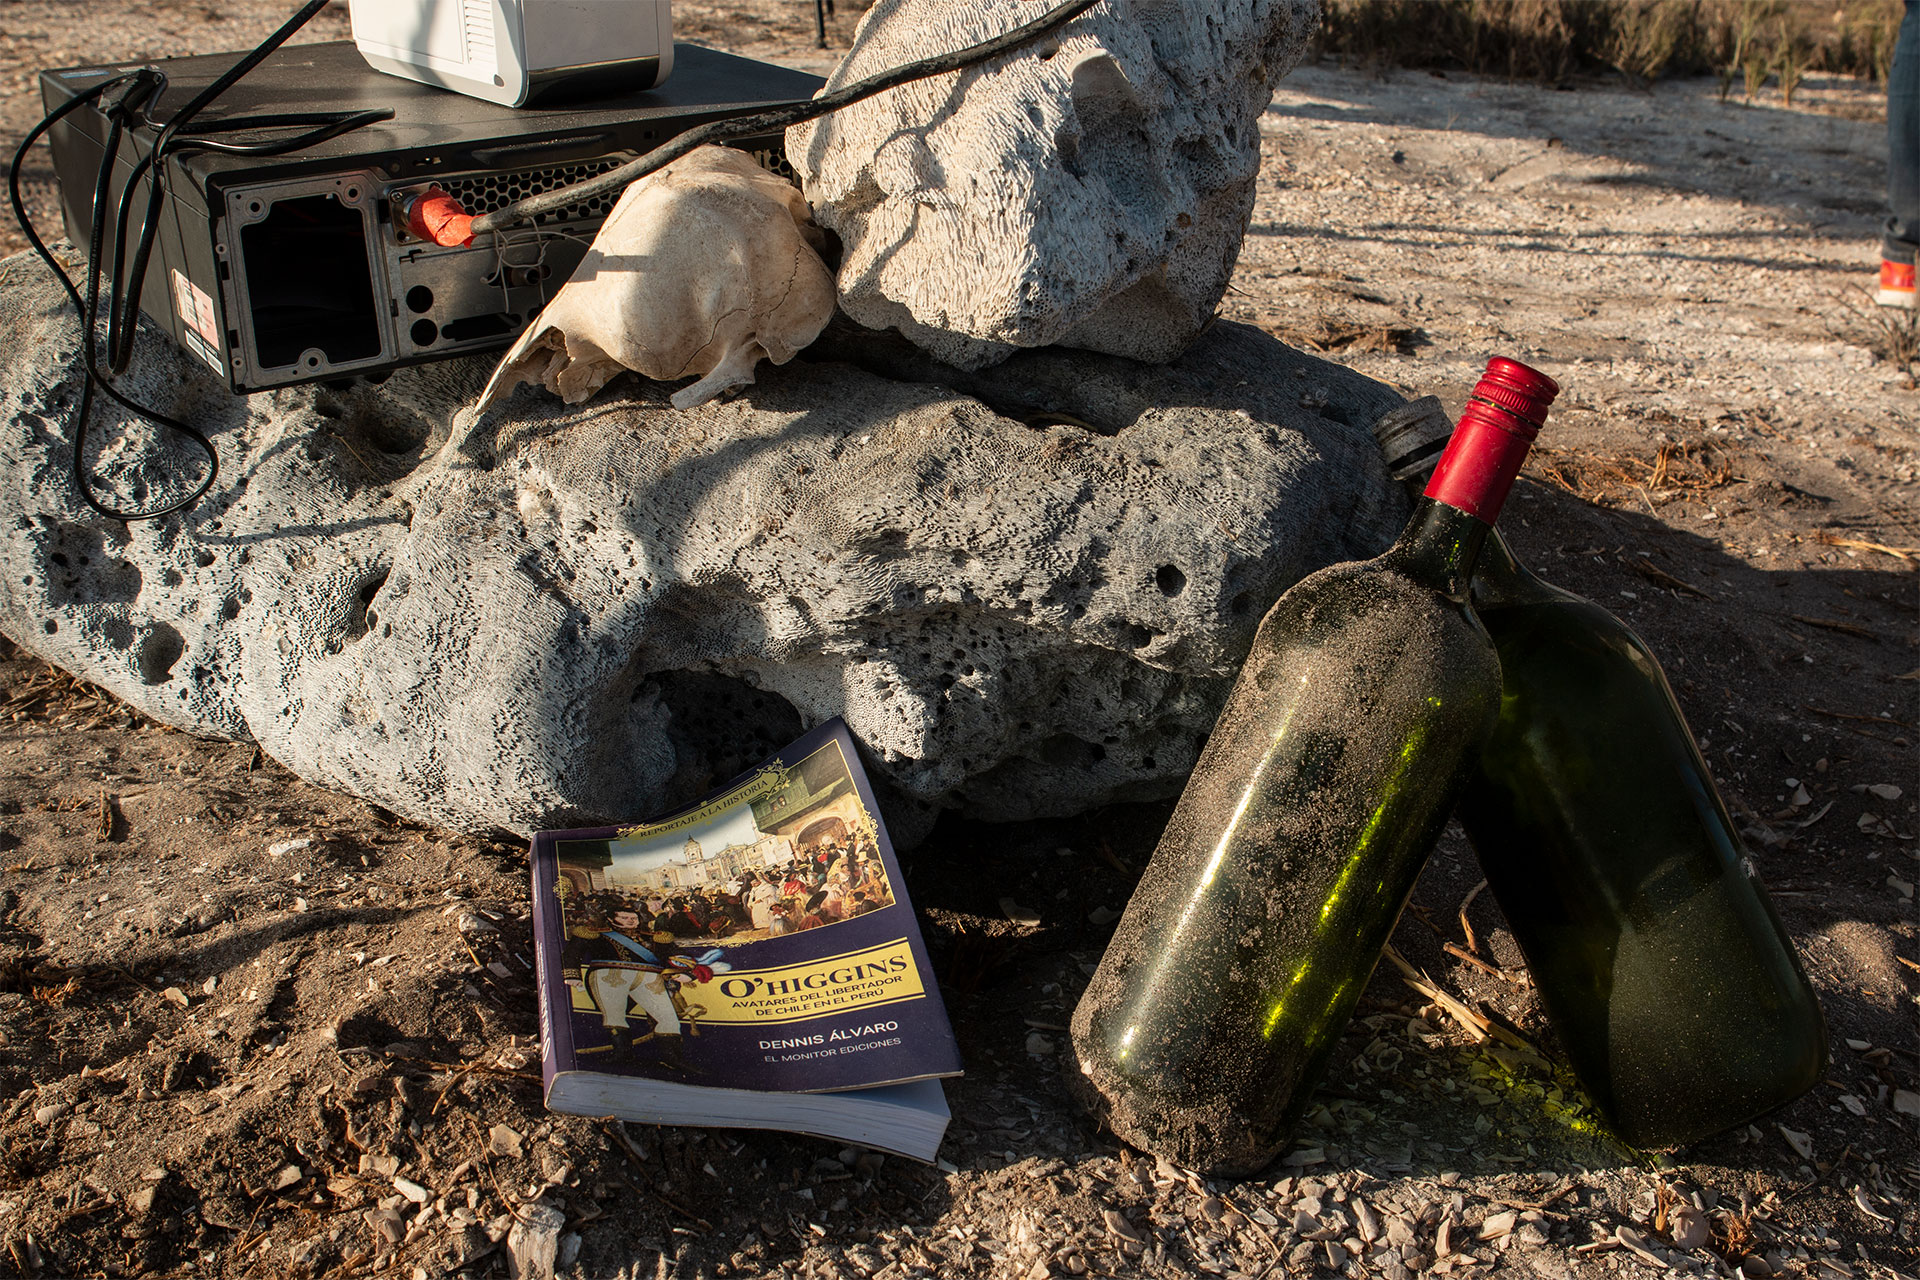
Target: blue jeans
1903 142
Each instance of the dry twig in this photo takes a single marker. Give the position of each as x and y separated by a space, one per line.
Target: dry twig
1466 927
1908 554
1661 578
1505 975
1473 1021
1842 715
1832 624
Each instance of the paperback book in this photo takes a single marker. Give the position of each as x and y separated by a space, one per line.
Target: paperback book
748 961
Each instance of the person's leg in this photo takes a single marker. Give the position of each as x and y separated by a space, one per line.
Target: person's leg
650 993
609 990
655 997
612 989
1902 239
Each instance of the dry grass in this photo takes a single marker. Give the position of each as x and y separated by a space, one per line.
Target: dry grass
1828 538
1894 336
1323 334
1748 41
46 693
1676 470
1890 333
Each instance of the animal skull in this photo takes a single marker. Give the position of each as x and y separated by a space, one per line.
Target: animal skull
702 268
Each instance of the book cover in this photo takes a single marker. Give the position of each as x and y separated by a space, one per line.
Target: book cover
757 942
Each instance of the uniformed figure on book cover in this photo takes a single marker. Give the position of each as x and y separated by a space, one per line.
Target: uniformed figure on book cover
756 940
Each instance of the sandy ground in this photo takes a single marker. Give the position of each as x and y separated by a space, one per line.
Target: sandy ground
219 1046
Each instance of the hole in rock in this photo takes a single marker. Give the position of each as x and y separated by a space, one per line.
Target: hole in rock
1170 580
1067 751
389 432
160 649
360 616
720 726
106 580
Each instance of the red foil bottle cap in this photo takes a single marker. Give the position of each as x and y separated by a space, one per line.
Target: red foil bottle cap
1517 389
1497 427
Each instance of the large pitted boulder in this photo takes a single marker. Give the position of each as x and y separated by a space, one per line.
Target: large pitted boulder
1090 191
1026 591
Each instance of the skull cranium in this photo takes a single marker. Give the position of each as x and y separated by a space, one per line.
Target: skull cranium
701 269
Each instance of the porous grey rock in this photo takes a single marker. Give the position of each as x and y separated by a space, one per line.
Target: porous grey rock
1026 590
1089 191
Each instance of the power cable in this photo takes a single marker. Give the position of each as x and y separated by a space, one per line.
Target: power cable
121 321
779 118
180 134
129 307
87 308
141 89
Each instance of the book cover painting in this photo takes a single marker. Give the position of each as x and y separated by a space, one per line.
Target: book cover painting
760 939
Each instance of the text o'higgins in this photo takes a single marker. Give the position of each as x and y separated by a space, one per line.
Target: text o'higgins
742 988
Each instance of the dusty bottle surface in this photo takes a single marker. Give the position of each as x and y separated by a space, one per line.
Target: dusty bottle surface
1665 972
1342 746
1669 979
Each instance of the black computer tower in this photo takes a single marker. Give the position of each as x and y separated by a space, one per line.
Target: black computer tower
287 269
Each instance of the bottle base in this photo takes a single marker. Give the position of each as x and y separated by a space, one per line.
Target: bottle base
1654 1127
1209 1139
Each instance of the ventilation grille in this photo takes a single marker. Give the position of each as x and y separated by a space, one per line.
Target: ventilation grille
770 154
483 193
487 192
477 25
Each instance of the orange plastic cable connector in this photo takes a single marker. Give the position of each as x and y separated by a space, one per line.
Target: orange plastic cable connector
436 216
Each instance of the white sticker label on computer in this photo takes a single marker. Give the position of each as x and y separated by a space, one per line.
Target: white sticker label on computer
195 308
196 312
204 349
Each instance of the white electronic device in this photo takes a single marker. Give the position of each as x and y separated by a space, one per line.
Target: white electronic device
516 51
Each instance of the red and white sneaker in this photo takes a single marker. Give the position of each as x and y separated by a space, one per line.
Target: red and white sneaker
1896 285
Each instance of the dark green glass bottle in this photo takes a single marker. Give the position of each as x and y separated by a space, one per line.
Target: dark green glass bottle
1342 746
1662 966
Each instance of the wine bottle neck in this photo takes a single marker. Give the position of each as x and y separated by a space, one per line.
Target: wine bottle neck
1440 547
1500 574
1412 438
